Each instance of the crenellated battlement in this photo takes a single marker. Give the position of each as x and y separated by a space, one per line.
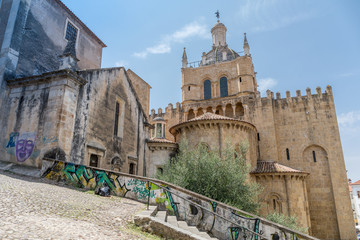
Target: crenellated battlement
319 95
169 111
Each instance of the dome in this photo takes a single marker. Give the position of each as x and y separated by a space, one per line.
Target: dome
217 55
159 119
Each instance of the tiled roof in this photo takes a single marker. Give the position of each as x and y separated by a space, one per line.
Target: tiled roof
209 116
273 167
160 140
356 183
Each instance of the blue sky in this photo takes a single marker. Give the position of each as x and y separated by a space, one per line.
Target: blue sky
294 45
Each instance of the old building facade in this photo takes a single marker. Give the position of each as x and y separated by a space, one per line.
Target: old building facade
57 102
294 143
53 106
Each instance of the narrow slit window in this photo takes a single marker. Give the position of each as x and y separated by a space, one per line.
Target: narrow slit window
314 156
240 79
287 154
258 136
116 123
188 88
274 204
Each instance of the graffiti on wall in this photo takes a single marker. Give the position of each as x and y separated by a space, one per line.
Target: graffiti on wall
22 145
85 177
166 198
248 222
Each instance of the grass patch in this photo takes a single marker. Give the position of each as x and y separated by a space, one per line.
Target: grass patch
135 230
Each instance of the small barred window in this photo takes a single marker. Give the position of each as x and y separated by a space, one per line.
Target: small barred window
71 32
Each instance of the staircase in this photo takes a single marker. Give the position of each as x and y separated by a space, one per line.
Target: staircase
159 223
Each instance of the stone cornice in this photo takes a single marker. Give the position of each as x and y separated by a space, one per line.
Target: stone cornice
46 77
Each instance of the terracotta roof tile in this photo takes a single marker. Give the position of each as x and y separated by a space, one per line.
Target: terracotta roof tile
273 167
211 116
356 183
160 140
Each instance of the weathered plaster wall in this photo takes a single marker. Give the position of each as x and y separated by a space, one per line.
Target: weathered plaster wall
43 40
39 118
33 38
94 130
142 89
165 195
159 155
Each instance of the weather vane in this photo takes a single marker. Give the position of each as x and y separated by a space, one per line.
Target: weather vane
217 14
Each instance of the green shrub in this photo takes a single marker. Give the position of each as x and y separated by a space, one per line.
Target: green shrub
287 221
222 177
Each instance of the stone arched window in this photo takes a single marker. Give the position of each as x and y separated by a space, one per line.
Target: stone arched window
223 87
191 114
274 203
229 110
207 89
219 110
239 110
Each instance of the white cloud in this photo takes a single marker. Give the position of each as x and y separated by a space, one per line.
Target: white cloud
121 63
265 84
268 15
194 29
349 119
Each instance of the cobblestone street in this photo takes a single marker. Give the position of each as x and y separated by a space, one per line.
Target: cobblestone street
33 208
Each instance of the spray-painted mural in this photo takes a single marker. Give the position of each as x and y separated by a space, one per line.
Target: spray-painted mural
183 204
23 143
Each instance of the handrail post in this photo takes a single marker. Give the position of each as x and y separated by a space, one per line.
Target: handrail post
148 203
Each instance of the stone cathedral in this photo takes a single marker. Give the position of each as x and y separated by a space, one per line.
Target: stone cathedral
56 102
294 143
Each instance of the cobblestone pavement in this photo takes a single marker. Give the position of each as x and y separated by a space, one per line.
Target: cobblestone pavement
33 208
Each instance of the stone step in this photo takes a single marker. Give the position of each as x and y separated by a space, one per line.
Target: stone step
161 215
172 220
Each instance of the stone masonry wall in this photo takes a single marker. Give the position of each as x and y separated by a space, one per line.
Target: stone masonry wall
94 130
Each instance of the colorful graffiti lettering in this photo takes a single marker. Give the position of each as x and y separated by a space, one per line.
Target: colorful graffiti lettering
141 188
234 233
12 139
85 177
252 223
47 140
213 207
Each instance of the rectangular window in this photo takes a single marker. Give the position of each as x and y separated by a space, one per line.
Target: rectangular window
314 156
71 32
158 130
258 135
117 114
358 193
